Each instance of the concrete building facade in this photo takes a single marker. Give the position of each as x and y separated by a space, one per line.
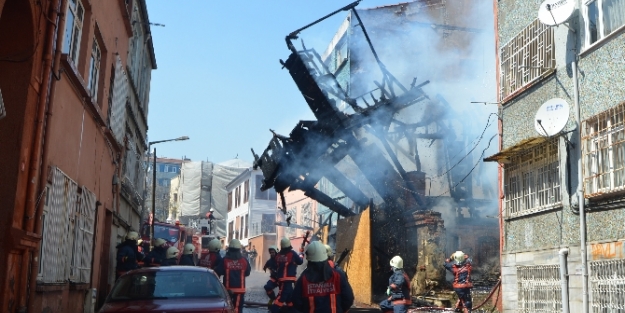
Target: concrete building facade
62 64
166 170
562 230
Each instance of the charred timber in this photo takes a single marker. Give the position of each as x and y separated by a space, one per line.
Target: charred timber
324 199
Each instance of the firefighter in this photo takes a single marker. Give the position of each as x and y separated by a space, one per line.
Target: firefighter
187 255
128 255
287 261
272 283
158 255
459 264
233 268
398 290
172 257
321 288
213 257
331 261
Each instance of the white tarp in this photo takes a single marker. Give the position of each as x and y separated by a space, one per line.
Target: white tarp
190 186
206 188
223 174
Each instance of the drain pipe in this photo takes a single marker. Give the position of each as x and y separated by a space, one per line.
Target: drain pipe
564 279
580 190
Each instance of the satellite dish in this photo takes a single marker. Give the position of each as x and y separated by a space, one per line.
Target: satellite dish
555 12
551 117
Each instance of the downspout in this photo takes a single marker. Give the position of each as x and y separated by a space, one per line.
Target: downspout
564 279
38 157
580 190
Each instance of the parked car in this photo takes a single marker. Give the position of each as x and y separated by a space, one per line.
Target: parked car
168 289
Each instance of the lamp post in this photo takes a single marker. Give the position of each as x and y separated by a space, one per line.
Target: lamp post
154 183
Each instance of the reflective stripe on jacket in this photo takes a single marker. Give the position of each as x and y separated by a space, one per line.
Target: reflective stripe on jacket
287 261
462 273
334 295
234 273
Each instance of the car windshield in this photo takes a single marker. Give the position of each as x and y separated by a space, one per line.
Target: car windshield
166 285
170 234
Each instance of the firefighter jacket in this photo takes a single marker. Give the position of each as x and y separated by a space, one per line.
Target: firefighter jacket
399 286
234 272
272 266
327 292
287 261
462 273
187 259
170 262
211 260
337 268
128 256
156 257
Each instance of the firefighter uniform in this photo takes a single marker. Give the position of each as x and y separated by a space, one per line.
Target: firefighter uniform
287 261
213 258
172 257
272 283
332 263
460 266
398 290
187 255
321 288
158 255
128 254
234 269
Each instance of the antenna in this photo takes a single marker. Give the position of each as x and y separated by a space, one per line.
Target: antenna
556 12
551 117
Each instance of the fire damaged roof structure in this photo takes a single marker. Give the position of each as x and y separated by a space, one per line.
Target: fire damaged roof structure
313 148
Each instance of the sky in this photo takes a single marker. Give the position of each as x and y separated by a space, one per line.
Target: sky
218 78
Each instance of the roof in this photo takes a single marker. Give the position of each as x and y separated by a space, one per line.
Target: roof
144 10
238 163
240 178
389 5
504 155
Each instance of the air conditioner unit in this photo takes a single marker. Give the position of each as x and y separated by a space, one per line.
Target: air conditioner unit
3 112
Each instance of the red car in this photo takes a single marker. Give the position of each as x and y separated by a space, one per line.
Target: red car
168 289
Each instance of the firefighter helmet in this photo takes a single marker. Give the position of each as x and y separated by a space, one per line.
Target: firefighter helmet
285 243
397 262
211 210
214 245
172 252
234 244
316 252
274 248
158 242
458 257
139 242
132 235
188 248
329 251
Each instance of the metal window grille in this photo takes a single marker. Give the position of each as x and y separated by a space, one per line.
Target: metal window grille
532 181
57 235
528 57
539 289
604 152
607 286
84 227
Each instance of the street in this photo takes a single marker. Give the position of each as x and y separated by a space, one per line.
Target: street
255 292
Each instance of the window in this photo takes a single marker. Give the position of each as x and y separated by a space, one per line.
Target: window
175 197
68 228
161 167
539 289
246 226
231 230
527 58
532 181
94 70
269 194
230 201
172 284
603 17
604 152
73 29
246 191
268 223
242 226
607 282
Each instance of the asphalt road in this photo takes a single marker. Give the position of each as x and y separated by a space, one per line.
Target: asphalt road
255 291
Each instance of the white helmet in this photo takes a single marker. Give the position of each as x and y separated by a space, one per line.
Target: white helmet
329 251
458 257
214 245
188 248
211 210
158 242
172 252
235 244
274 248
132 235
397 262
285 243
316 252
